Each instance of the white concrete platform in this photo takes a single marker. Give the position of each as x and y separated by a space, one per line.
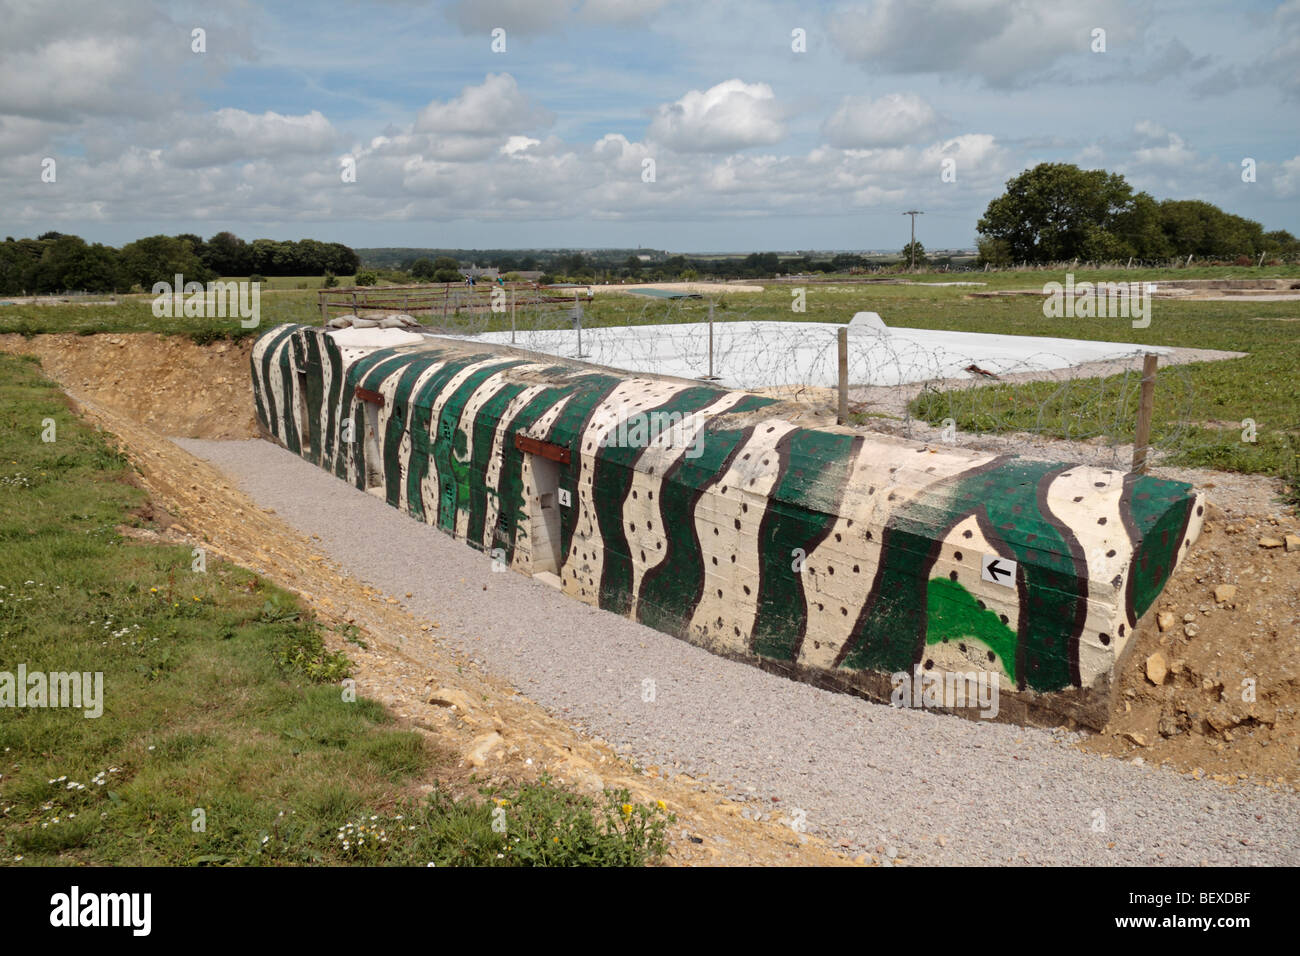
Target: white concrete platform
754 355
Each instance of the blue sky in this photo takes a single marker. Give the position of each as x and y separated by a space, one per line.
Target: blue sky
754 144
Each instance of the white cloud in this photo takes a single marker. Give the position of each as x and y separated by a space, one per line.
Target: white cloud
891 120
18 135
231 134
81 58
999 41
732 115
494 107
1150 130
1287 182
1172 153
517 145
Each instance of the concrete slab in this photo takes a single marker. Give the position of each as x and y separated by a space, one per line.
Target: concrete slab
754 355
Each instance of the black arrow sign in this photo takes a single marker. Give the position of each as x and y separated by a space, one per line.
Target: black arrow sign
995 569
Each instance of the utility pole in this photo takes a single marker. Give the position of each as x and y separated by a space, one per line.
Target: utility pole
914 213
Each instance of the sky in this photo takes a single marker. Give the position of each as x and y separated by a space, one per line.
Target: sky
719 126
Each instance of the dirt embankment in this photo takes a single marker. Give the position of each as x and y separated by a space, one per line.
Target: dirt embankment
166 382
1182 697
1214 679
501 735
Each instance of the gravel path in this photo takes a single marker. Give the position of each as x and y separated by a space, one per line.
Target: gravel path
929 788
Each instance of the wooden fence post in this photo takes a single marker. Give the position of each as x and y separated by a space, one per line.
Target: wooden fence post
842 339
1146 405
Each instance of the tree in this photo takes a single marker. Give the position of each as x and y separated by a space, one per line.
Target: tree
1140 229
423 268
161 259
196 243
68 264
1058 211
992 252
226 255
914 249
366 278
1281 243
1194 227
341 260
16 258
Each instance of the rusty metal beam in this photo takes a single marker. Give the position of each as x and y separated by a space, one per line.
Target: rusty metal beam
544 449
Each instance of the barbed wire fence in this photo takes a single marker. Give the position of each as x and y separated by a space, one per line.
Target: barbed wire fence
908 383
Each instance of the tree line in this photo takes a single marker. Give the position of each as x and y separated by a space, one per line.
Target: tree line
54 262
1056 212
602 265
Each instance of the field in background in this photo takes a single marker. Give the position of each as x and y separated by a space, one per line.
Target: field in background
1207 422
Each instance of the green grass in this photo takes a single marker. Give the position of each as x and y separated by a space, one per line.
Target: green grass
292 283
1259 387
221 703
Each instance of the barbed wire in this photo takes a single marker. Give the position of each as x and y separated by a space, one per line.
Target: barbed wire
919 384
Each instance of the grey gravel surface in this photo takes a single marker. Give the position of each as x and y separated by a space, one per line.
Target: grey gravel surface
932 788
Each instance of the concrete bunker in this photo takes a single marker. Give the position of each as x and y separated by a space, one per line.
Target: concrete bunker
830 556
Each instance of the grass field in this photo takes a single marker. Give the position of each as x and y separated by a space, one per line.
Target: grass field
224 736
1260 387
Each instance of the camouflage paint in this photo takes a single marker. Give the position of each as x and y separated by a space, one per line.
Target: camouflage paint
897 528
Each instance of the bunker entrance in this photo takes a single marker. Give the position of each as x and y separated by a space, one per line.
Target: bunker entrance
374 473
304 420
544 515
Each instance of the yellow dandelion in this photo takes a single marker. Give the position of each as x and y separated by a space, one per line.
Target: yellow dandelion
627 809
153 590
661 805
